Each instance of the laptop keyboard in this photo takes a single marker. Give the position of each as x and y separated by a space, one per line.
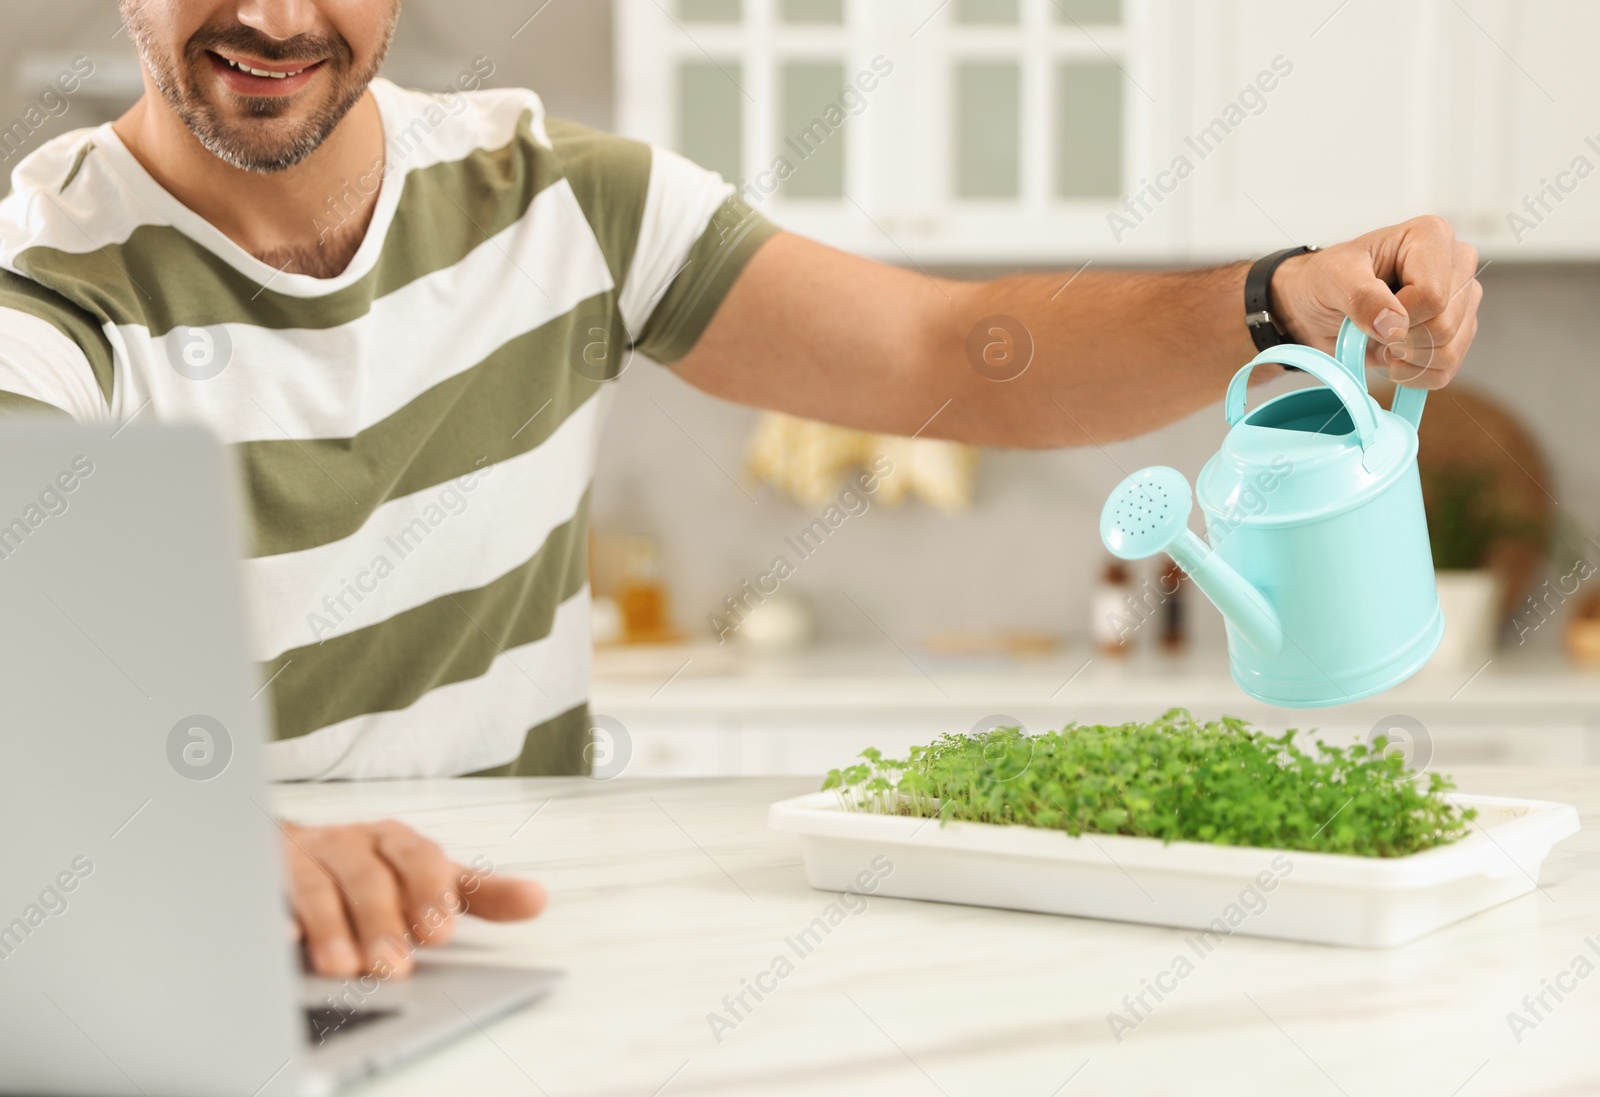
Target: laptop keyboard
325 1022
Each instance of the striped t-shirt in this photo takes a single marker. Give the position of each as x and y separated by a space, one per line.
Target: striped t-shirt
417 435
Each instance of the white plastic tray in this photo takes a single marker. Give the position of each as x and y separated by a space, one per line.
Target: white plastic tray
1334 899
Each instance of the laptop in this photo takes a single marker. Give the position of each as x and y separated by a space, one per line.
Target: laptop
144 936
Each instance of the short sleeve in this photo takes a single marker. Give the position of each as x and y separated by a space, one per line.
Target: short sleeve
695 238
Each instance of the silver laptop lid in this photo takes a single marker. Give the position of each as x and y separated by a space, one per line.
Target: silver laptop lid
143 935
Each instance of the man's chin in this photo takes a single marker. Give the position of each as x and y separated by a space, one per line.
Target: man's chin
263 135
258 153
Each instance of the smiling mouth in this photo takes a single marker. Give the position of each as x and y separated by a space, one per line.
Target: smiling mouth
270 74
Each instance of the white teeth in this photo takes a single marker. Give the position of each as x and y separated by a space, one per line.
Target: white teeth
259 72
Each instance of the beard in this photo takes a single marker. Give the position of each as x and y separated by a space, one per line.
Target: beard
257 133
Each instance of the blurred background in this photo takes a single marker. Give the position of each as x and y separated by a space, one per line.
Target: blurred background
971 137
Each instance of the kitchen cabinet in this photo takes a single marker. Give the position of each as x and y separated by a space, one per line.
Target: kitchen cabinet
1484 111
1128 131
817 712
1524 119
924 133
1306 127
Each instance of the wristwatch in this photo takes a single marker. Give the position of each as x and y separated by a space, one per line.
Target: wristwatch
1264 329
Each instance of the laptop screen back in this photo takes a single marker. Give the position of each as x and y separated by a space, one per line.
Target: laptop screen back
143 934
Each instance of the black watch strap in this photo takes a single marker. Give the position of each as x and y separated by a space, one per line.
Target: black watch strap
1258 316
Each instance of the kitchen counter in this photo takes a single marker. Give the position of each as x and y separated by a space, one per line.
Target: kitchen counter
705 710
668 895
837 675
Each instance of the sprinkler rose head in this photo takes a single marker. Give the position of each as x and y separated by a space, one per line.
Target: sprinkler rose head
1146 513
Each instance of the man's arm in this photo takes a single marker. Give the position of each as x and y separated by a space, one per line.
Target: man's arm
826 335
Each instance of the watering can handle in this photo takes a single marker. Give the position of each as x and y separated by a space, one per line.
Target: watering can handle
1325 368
1351 350
1407 404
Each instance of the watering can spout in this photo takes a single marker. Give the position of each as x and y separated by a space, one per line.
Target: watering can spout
1149 513
1246 609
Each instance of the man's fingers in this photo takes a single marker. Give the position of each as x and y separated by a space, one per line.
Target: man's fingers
372 901
366 895
1372 304
1465 293
502 898
427 880
1426 268
1443 362
320 911
1437 343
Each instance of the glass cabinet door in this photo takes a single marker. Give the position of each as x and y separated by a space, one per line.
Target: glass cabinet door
967 131
1041 119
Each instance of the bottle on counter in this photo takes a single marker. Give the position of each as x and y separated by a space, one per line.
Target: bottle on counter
641 595
1111 627
606 625
1174 629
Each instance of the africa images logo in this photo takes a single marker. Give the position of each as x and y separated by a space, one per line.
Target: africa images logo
199 747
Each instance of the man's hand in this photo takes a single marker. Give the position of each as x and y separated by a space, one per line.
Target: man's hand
1420 331
366 895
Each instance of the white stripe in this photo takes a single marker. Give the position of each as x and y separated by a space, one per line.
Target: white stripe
678 205
421 129
36 360
114 195
459 728
456 536
336 382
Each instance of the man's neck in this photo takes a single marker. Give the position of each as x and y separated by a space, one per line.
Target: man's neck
283 218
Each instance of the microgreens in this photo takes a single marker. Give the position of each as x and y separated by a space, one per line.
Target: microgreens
1175 779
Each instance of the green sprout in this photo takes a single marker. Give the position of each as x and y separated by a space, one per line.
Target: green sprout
1175 778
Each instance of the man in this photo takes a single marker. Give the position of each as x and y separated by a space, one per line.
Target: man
401 311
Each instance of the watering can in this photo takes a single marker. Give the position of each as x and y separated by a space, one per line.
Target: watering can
1317 551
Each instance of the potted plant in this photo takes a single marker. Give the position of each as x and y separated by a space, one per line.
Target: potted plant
1466 525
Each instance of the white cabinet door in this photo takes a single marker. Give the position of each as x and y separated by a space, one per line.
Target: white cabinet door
1312 122
792 101
647 743
1525 93
1026 125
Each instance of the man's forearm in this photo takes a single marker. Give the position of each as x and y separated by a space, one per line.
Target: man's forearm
1039 360
1028 361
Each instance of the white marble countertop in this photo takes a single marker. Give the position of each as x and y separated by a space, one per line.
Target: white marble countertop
667 894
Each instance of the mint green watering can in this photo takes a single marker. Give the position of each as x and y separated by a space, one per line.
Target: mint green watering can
1318 550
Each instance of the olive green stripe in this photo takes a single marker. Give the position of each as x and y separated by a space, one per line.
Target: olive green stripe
735 233
390 665
610 176
312 492
77 324
77 164
559 747
161 279
12 403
